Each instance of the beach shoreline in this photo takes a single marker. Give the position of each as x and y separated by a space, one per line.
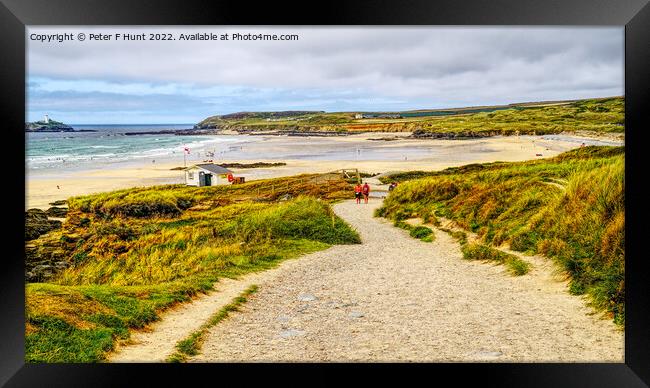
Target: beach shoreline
316 156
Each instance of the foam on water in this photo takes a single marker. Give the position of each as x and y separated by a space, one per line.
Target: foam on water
109 144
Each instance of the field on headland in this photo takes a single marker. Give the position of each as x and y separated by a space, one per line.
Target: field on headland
603 115
132 253
570 208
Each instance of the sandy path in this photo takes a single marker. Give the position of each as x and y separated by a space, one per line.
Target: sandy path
394 298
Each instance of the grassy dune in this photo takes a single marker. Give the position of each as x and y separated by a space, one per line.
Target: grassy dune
591 115
135 252
569 208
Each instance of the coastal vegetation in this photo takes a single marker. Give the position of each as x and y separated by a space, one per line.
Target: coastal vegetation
569 208
253 165
420 232
475 251
601 115
133 253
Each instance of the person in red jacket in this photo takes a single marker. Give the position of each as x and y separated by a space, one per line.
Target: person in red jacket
366 192
357 192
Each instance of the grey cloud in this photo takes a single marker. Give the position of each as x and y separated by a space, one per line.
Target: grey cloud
108 102
340 67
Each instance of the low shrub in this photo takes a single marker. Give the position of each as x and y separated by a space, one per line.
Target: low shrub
420 232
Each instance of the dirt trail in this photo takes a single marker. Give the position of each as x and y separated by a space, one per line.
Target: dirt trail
394 298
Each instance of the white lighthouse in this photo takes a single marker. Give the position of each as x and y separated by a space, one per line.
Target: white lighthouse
47 119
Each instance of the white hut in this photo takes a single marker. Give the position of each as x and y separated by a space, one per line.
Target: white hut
206 175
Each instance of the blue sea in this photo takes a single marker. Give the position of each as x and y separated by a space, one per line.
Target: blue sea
72 150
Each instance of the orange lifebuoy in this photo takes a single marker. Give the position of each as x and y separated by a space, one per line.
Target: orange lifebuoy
230 178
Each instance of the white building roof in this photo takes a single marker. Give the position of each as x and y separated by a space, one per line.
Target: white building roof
215 168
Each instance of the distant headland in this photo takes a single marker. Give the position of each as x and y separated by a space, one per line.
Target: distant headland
49 125
601 116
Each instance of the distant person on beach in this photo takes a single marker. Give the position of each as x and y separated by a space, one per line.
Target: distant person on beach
357 192
366 192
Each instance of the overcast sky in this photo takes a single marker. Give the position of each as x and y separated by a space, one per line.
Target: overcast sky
331 69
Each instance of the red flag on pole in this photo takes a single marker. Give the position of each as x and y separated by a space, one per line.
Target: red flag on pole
187 150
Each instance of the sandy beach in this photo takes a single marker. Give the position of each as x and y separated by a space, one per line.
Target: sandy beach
303 155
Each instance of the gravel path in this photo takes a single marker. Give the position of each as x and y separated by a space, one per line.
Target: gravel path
394 298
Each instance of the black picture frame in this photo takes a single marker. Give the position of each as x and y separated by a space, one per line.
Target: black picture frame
633 14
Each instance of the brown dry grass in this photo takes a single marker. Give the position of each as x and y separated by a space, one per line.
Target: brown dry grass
70 307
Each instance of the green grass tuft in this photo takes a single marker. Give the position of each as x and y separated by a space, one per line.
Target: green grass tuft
515 265
57 341
421 232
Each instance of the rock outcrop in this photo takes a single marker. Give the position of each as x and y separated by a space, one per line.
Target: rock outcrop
422 134
43 261
49 126
37 223
55 211
47 256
